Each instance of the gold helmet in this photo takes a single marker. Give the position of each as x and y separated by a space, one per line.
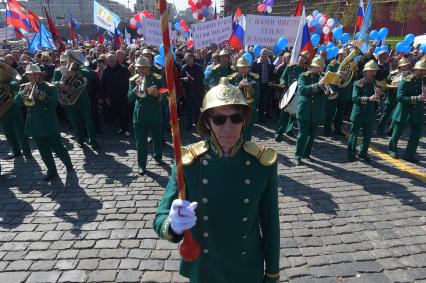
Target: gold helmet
142 61
32 68
222 94
404 62
147 51
420 65
371 66
305 54
318 61
243 62
64 57
224 52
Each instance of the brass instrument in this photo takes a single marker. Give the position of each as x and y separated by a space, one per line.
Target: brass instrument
7 74
141 91
346 68
248 92
72 82
31 92
331 94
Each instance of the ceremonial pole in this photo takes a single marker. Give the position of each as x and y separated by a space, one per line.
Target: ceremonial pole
189 250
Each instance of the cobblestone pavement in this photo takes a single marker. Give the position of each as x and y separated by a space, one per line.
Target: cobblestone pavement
340 222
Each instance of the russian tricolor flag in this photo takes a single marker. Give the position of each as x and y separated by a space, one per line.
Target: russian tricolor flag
238 27
303 40
360 17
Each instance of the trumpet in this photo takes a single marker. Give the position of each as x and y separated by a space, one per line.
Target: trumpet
331 95
141 92
31 95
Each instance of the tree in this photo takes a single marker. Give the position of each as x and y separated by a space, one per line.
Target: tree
407 9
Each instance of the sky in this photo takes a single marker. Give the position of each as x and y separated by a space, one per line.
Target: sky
180 4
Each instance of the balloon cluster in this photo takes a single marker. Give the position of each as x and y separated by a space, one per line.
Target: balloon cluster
266 6
320 24
136 21
183 28
405 46
201 9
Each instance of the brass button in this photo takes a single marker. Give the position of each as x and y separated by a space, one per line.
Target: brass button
245 237
243 253
205 162
247 181
205 251
244 219
205 218
246 200
204 200
205 181
205 235
248 163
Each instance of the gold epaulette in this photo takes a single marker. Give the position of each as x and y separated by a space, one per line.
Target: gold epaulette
266 155
156 76
409 78
215 67
157 67
232 76
25 84
254 75
394 72
307 73
49 84
133 78
192 151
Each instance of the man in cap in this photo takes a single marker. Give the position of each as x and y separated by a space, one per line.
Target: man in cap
411 96
335 108
42 124
310 108
144 90
248 83
364 97
223 69
226 179
290 75
11 119
384 66
147 53
404 66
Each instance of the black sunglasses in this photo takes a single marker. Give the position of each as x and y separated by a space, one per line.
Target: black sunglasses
219 120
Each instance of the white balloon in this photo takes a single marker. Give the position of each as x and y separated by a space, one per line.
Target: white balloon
269 9
330 22
211 10
322 20
326 29
140 31
203 19
195 15
308 18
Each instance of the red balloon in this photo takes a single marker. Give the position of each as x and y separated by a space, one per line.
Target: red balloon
136 18
327 38
199 5
187 28
311 29
206 2
193 8
200 17
182 23
261 8
190 3
132 26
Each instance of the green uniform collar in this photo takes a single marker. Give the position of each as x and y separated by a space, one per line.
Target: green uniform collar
214 145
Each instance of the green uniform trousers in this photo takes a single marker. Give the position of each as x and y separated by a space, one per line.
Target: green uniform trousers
141 135
413 140
14 130
305 138
81 119
334 111
285 123
387 113
367 129
46 145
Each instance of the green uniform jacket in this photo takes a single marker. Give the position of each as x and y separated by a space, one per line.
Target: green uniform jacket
311 98
344 92
147 110
11 112
235 79
363 109
409 108
42 120
237 215
291 74
391 93
218 72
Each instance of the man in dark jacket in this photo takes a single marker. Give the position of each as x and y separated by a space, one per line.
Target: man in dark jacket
115 85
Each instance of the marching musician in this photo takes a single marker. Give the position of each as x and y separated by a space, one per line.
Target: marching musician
290 75
223 69
365 95
227 180
310 108
79 111
144 90
42 124
335 108
404 65
11 119
411 96
147 53
248 83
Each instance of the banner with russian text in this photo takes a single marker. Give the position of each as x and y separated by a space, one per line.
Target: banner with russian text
216 31
152 32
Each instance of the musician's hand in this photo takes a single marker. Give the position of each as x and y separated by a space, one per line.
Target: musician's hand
361 83
61 85
108 101
155 92
375 97
421 97
182 215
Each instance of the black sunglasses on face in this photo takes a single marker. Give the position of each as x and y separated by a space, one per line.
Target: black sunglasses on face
219 120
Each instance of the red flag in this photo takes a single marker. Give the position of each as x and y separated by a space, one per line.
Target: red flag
20 16
55 32
117 40
298 11
100 37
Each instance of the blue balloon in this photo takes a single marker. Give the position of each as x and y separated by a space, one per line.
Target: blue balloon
177 26
330 45
407 48
248 57
376 50
384 48
374 34
186 34
205 13
409 39
159 60
337 33
383 32
345 38
207 73
318 28
318 17
257 49
423 47
313 22
315 13
329 54
162 50
399 47
276 50
138 25
282 43
315 39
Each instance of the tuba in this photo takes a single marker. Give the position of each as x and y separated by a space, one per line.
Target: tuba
346 68
7 74
72 82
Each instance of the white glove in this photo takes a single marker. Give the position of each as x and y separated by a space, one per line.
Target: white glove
182 215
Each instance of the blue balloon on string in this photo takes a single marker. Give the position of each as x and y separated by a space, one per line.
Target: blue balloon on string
376 50
407 48
318 28
315 39
257 49
409 39
205 13
345 38
177 26
248 57
384 48
282 43
321 48
329 54
276 50
423 47
162 50
337 33
383 32
330 45
374 34
399 47
315 13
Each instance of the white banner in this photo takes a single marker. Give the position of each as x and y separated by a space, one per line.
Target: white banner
152 32
266 30
216 31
